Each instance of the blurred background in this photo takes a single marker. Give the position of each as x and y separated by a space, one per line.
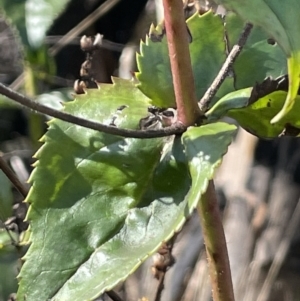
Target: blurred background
258 182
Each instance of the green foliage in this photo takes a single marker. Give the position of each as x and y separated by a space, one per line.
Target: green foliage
207 56
258 58
32 18
280 19
109 202
101 204
233 100
256 116
205 147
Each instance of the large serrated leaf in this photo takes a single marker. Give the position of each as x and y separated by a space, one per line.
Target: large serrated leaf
280 19
207 51
162 212
100 204
33 17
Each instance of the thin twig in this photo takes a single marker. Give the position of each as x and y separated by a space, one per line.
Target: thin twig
177 128
13 178
280 255
235 51
215 244
114 296
74 32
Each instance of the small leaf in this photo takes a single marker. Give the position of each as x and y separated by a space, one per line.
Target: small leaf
257 117
280 19
233 100
254 108
160 88
205 146
207 51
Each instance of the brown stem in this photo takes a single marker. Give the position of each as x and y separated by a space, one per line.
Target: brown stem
183 79
13 178
215 244
235 51
143 134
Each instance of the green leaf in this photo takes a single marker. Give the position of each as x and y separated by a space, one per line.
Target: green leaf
100 204
207 55
155 72
204 147
258 62
280 19
234 26
33 17
256 117
234 100
258 59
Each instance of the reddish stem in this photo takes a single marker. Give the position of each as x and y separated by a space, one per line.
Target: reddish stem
178 43
215 243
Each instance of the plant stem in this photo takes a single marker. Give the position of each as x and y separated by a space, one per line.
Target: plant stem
235 51
183 80
143 134
215 243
